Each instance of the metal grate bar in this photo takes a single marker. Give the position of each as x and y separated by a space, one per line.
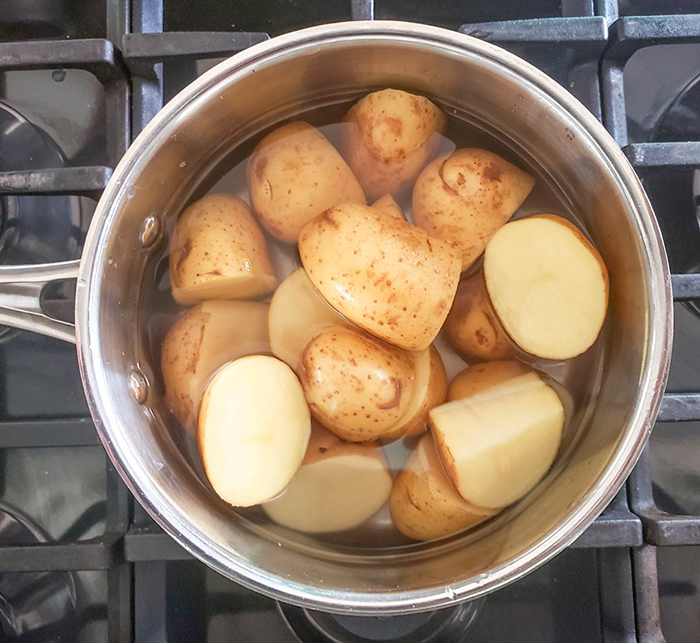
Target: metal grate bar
553 31
87 181
93 554
646 595
77 432
617 526
679 407
150 543
362 9
653 155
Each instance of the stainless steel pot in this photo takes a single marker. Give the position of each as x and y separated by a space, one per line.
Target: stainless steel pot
234 101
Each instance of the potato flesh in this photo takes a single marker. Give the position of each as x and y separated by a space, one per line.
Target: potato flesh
383 274
471 326
435 394
219 252
205 338
548 285
466 196
334 494
498 444
254 426
294 174
424 504
297 313
391 135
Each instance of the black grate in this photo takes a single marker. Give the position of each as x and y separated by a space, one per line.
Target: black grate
583 44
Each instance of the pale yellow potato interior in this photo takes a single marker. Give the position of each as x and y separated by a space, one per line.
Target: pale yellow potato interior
240 287
254 426
333 494
548 286
498 444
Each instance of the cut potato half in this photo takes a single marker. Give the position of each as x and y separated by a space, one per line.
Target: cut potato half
424 503
480 377
219 252
297 313
435 394
548 286
498 444
205 338
339 486
254 426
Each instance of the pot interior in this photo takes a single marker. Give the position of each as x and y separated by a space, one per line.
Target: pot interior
202 132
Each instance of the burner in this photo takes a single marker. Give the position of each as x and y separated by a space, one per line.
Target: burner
37 606
445 626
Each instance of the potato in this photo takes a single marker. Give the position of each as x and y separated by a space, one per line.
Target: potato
339 486
471 327
480 377
218 252
356 385
391 135
294 174
383 274
424 504
387 205
435 394
548 286
297 313
254 426
466 196
498 444
200 342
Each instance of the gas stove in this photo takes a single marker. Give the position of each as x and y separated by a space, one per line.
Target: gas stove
80 560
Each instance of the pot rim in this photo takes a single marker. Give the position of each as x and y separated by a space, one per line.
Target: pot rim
652 384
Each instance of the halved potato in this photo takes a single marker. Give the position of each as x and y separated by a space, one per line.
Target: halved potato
254 427
219 252
435 394
200 342
339 486
294 174
298 312
390 136
387 205
424 504
356 385
466 196
480 377
498 444
383 274
471 326
548 286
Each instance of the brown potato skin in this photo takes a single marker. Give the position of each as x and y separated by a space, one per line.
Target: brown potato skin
200 342
480 377
356 385
472 327
437 394
385 275
217 238
324 444
466 196
424 504
391 135
294 174
387 205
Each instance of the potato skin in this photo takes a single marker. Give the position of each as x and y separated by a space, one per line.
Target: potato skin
383 274
218 251
424 504
355 385
200 342
466 196
391 135
387 205
294 174
480 377
472 327
436 394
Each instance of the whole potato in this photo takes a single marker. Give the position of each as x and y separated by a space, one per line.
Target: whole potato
218 251
200 342
384 274
387 205
480 377
472 327
356 385
466 196
294 174
424 504
391 135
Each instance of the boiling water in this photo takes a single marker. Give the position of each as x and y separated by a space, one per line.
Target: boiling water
576 380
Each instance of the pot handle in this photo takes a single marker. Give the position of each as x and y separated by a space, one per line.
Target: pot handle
20 297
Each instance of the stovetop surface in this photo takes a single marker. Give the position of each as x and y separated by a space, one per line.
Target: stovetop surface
79 560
